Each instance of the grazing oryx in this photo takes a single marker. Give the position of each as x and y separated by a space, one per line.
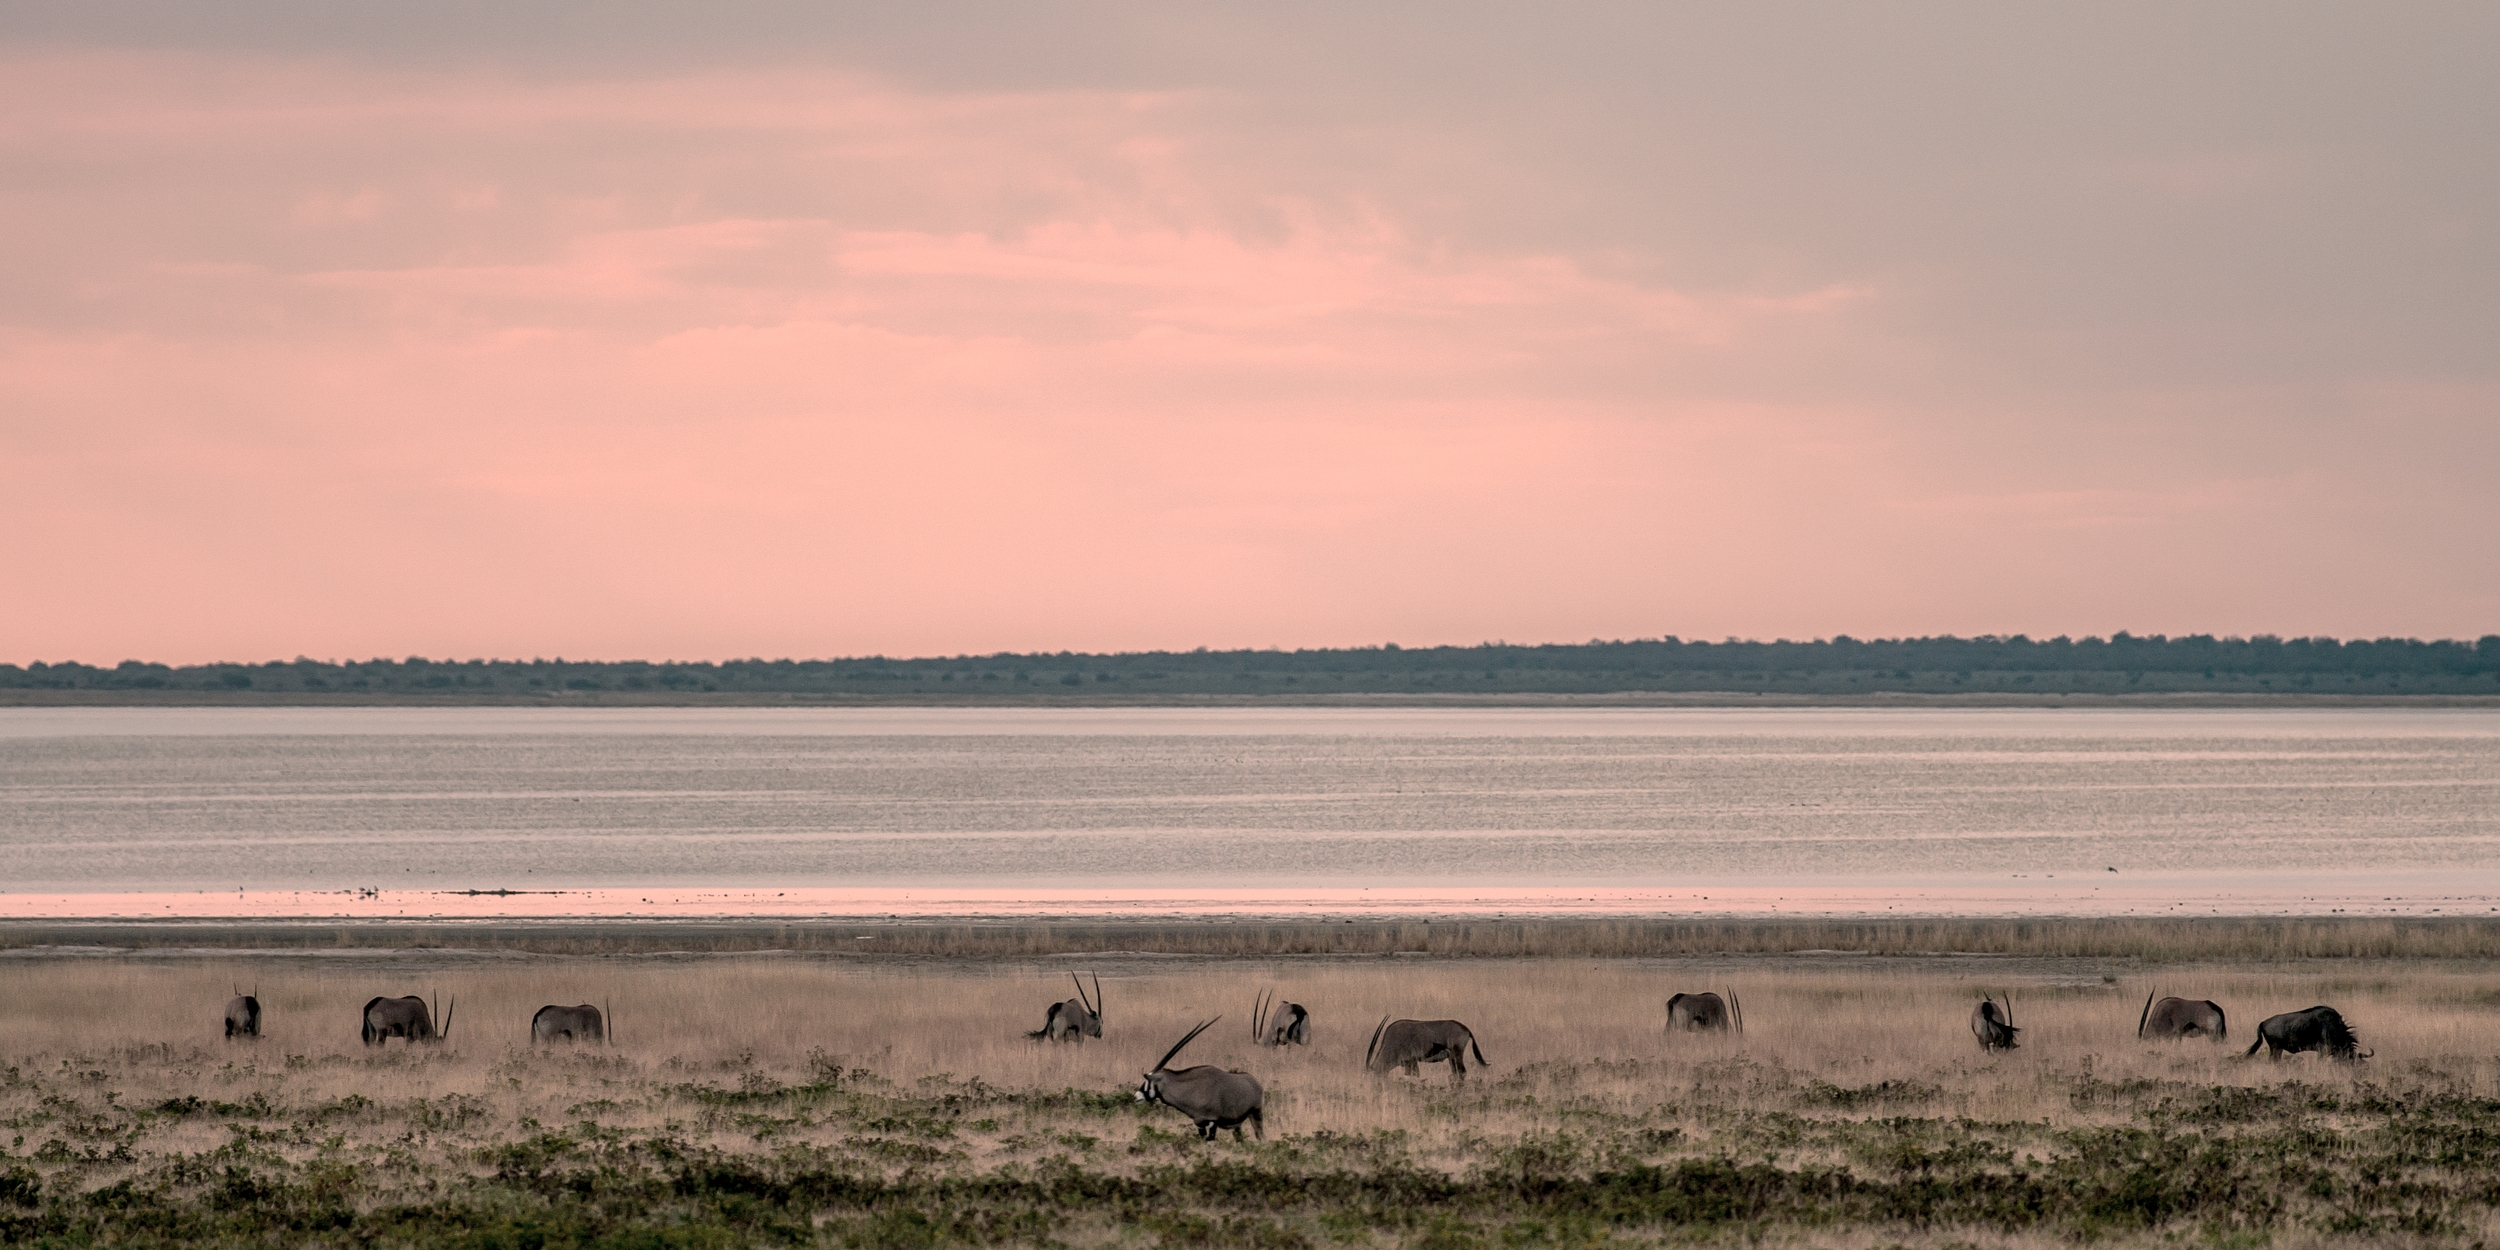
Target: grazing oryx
386 1018
1210 1096
1076 1019
1409 1043
2178 1017
1705 1012
2318 1028
1278 1024
572 1024
1994 1025
243 1014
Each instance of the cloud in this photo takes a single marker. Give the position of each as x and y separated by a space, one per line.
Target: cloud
776 360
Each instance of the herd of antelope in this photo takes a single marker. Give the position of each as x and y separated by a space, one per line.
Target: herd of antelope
1221 1098
416 1020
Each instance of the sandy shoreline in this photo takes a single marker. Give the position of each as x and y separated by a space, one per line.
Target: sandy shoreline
2410 894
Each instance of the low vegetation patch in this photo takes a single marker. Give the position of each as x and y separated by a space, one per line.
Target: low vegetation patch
2416 1155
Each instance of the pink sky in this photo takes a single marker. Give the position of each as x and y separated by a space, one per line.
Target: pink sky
346 349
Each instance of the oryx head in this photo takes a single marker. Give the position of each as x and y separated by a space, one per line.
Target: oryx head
1151 1089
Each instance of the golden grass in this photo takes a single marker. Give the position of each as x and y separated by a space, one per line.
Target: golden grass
87 1042
728 1019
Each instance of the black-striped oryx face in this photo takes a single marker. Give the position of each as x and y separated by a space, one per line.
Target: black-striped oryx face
1151 1090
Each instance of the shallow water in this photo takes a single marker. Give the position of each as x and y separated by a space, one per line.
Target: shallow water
678 811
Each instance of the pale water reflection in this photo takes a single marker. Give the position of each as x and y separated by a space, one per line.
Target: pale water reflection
990 811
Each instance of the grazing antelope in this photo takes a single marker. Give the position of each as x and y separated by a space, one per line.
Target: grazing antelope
386 1018
2320 1029
1278 1024
1992 1025
572 1024
2179 1017
243 1014
1076 1019
1411 1043
1705 1012
1212 1097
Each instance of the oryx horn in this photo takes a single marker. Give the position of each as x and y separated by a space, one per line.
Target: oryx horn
1176 1046
1736 1009
2147 1013
444 1034
1374 1048
1258 1015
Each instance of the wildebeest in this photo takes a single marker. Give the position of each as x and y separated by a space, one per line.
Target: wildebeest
2180 1017
1409 1043
1278 1024
386 1018
243 1014
1994 1025
1705 1012
1076 1019
572 1024
1212 1097
2318 1028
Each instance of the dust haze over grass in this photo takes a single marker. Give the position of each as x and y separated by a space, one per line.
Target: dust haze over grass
804 1101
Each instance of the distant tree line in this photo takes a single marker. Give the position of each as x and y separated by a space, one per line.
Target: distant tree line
2121 663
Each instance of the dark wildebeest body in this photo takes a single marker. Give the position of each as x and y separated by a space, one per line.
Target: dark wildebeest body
1279 1024
1075 1019
386 1018
242 1016
1409 1044
572 1024
1212 1097
2320 1029
1994 1025
2180 1017
1704 1012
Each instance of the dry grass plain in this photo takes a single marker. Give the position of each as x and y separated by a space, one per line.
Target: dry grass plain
758 1099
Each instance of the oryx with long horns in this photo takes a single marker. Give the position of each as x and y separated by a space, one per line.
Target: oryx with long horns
1705 1012
243 1014
2180 1017
1076 1019
409 1017
1994 1025
1273 1023
1212 1097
